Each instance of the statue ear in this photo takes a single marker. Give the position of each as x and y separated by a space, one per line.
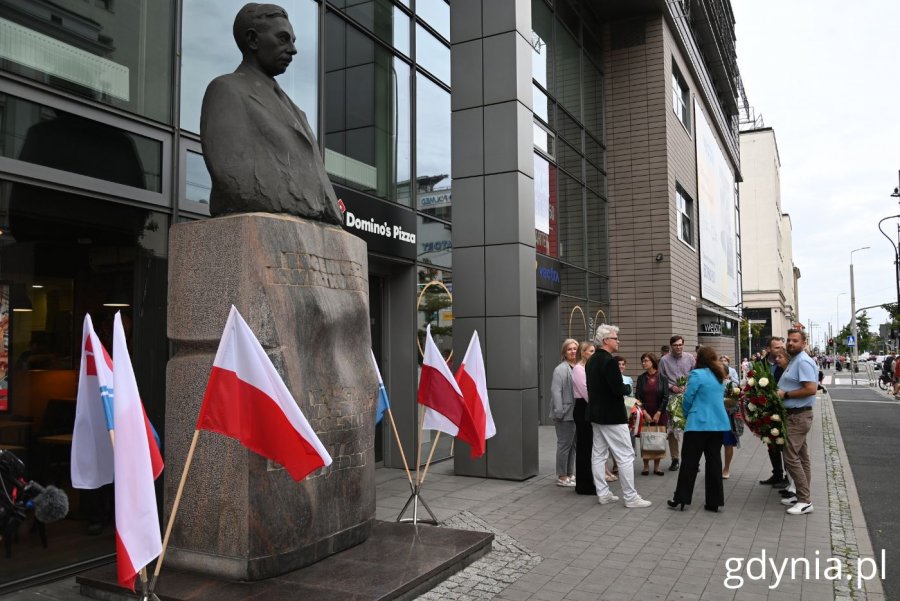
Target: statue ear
252 38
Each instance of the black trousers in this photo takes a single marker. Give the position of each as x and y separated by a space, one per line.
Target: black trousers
584 446
695 444
777 465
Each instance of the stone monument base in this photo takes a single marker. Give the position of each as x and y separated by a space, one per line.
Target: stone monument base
398 561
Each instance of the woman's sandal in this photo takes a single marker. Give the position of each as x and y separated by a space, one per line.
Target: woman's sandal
659 472
645 473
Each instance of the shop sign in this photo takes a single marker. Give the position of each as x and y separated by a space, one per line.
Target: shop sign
386 228
712 328
547 273
434 200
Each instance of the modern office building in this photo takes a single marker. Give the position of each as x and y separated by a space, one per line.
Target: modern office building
522 168
770 276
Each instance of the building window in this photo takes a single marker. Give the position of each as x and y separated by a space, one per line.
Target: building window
681 97
118 55
685 206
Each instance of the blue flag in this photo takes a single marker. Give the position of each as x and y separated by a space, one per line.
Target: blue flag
383 403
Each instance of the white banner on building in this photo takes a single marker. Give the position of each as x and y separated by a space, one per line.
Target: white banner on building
717 218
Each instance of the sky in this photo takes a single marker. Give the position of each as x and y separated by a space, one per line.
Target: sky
825 76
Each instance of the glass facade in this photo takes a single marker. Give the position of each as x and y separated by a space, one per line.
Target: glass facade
117 52
108 100
570 159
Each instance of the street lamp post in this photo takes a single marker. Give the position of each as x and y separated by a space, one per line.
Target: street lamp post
837 320
853 311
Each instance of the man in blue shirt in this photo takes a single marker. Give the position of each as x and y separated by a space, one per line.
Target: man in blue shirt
797 387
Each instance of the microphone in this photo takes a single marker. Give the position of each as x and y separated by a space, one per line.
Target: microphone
50 503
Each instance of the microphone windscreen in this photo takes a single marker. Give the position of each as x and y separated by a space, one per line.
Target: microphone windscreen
51 505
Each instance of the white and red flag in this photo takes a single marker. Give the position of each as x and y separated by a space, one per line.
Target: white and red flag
92 451
445 409
247 400
138 539
473 383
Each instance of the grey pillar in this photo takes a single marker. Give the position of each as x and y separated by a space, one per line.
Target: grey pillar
493 223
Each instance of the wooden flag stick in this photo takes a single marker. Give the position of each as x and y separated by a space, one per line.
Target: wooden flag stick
187 466
400 446
430 455
419 446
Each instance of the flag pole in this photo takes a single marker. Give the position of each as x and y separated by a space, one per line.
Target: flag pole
419 447
415 497
430 455
400 446
184 473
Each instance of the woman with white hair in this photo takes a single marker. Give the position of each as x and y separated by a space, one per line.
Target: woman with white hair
562 406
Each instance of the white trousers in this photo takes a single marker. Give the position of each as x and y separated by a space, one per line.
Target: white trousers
615 439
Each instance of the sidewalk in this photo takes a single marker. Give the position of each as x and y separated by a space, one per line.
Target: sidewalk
553 544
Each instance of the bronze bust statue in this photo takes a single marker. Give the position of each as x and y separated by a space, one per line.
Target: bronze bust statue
258 146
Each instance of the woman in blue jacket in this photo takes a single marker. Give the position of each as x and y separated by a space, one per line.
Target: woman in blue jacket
707 422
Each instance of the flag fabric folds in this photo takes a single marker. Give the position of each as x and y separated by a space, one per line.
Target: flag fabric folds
473 384
383 402
138 539
92 451
247 400
445 409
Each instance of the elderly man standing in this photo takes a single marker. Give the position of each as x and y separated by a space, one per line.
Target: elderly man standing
609 420
797 387
677 364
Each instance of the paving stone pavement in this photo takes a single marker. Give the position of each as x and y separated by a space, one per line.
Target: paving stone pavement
554 545
612 553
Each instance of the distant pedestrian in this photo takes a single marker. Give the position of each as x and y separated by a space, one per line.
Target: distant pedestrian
562 407
663 351
609 419
706 424
677 364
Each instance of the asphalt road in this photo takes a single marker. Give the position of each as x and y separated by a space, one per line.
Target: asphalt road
870 427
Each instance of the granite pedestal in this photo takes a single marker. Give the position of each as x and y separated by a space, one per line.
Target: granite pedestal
398 561
302 287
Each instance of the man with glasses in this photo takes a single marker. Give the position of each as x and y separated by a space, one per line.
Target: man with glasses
777 479
677 364
609 420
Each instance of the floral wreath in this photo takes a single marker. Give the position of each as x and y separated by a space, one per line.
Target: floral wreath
761 408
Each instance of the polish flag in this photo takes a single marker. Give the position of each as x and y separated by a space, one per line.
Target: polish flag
92 449
248 401
138 539
445 409
472 382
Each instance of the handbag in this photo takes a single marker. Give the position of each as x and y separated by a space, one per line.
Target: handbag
653 441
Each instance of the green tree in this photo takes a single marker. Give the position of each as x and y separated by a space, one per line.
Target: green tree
745 332
866 340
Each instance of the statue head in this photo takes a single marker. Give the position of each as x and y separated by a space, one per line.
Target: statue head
265 37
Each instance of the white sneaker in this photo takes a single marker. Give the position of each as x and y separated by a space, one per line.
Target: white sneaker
567 482
801 508
789 500
607 499
637 503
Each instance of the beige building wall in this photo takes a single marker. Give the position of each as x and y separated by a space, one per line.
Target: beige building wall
766 232
654 276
